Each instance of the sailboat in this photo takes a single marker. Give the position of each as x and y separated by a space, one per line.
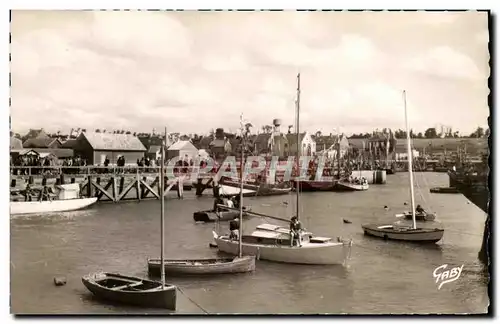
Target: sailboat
403 232
133 290
204 266
274 243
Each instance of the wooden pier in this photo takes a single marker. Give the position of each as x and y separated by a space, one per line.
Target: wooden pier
107 184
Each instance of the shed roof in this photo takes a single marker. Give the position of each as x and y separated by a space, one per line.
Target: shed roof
114 142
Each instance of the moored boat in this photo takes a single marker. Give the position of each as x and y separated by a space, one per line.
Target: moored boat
403 233
262 189
207 266
314 185
444 190
209 216
131 290
273 243
66 198
51 206
424 217
351 186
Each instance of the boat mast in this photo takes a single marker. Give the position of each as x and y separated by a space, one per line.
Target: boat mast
240 253
298 144
410 163
162 195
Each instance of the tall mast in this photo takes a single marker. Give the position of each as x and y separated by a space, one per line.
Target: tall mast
162 195
410 163
240 234
298 144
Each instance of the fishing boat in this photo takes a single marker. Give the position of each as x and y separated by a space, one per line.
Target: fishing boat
206 266
131 290
275 243
403 232
66 198
314 185
209 216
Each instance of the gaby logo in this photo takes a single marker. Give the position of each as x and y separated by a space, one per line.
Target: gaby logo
444 276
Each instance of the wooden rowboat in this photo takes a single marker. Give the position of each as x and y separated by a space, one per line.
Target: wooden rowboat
350 186
131 290
51 206
203 266
444 190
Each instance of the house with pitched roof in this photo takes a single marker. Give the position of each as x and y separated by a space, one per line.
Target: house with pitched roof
307 145
332 144
96 147
38 138
274 144
182 149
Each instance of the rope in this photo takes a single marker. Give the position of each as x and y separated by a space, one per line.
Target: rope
192 301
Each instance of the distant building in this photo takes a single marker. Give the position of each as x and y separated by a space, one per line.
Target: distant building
182 149
333 144
306 147
38 138
273 144
220 146
96 147
16 146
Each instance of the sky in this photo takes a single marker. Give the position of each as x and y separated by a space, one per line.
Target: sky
195 71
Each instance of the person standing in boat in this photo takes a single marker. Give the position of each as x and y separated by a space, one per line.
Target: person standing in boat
295 229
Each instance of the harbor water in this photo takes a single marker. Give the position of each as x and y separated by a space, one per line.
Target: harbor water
382 277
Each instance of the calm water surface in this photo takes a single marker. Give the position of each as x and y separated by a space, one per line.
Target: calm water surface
381 277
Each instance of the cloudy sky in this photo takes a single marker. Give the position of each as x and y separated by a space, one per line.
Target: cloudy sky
193 71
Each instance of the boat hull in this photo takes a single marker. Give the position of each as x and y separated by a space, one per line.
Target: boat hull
155 297
209 216
203 266
313 185
258 190
310 253
388 232
42 207
427 217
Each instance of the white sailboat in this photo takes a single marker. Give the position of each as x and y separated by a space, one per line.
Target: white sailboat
274 243
400 231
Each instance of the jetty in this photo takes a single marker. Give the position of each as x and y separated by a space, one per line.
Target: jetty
106 183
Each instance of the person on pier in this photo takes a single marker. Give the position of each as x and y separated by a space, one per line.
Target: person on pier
295 231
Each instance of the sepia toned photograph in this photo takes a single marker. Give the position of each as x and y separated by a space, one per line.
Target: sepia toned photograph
249 162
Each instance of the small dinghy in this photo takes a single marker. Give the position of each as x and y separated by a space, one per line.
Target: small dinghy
444 190
209 216
203 266
131 290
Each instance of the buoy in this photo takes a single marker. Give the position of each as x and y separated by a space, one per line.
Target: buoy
386 207
213 245
59 281
406 203
346 221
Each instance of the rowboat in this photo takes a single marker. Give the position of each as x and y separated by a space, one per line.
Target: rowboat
209 216
261 190
207 266
131 290
403 233
50 206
